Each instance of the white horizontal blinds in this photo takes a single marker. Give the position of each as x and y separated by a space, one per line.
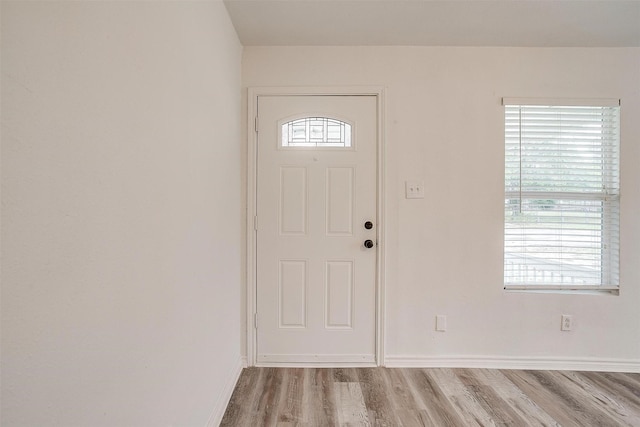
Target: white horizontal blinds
561 195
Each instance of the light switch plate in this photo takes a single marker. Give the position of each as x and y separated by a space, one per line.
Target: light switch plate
414 190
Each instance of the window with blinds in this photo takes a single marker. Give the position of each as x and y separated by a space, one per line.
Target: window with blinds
562 195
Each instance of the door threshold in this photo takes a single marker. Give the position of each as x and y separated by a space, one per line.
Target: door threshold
315 365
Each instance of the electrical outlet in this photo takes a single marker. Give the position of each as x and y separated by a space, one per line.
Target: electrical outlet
441 323
414 190
567 323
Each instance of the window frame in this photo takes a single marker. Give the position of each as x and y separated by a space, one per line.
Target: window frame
610 202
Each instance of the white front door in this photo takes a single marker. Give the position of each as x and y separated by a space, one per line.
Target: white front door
316 229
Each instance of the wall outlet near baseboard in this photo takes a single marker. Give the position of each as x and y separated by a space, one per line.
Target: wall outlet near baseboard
566 323
441 323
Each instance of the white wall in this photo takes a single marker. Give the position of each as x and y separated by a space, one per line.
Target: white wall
121 212
444 125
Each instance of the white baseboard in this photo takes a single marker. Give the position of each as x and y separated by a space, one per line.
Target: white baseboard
225 396
499 362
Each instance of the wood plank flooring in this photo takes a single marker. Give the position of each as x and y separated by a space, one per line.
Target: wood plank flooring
432 397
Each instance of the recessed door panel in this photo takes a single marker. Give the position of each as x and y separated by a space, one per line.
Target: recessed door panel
292 290
339 298
339 203
293 200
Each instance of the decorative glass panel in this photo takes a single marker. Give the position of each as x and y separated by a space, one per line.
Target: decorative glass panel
316 132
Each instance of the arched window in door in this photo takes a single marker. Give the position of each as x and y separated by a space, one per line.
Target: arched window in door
316 132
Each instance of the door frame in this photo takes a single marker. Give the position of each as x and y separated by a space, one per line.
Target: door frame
251 232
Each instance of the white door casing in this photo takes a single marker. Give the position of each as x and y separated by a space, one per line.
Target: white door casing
316 284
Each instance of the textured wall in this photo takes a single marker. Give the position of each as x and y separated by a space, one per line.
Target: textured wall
121 235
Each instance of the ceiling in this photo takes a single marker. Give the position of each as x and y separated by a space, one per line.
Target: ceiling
542 23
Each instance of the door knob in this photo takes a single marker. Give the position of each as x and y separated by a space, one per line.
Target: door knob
368 225
368 244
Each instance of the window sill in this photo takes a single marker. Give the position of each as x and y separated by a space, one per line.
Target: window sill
566 290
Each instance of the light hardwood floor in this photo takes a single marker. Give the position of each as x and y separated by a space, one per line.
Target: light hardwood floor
432 397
